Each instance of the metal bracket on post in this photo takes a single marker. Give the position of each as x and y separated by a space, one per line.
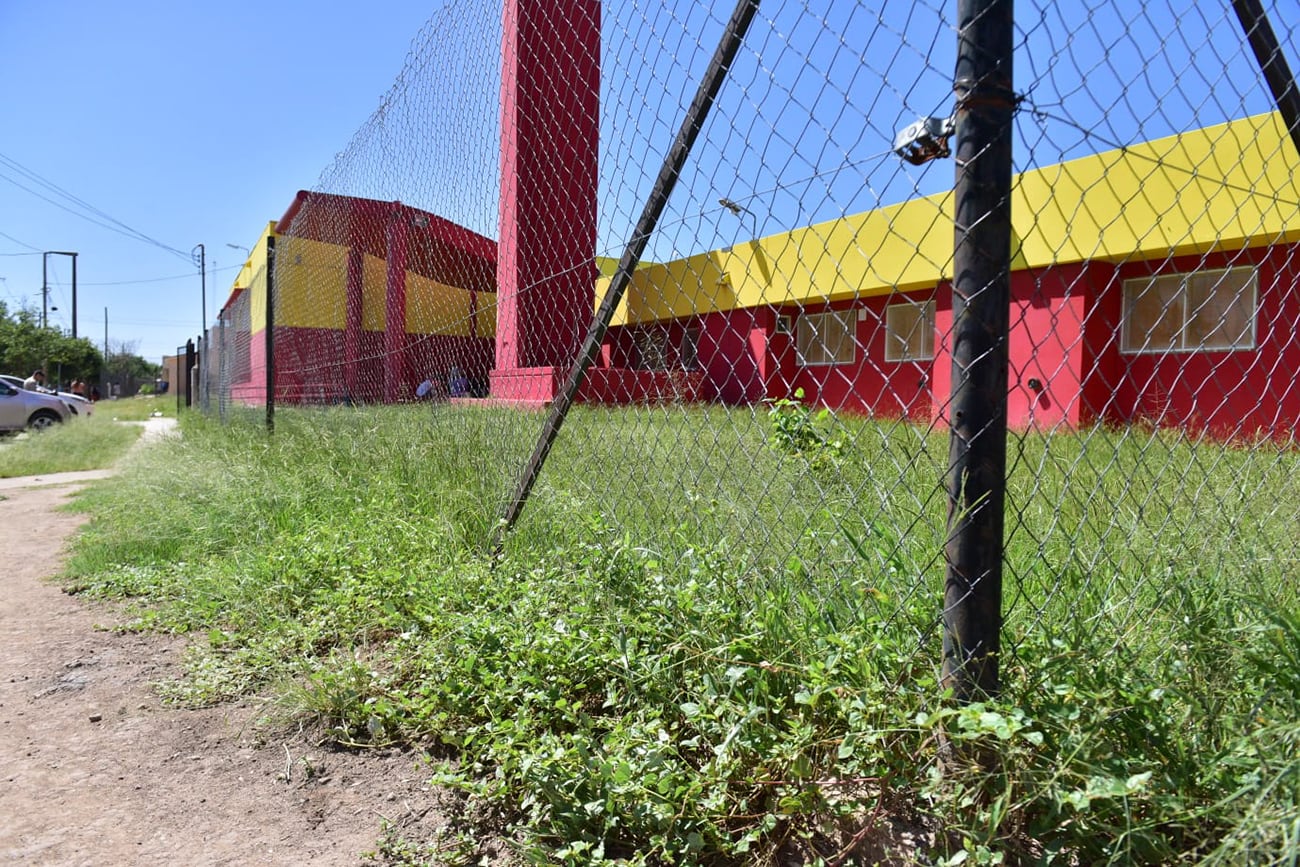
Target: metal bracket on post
925 140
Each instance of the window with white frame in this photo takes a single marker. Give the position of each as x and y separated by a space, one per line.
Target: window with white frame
1201 311
909 331
826 338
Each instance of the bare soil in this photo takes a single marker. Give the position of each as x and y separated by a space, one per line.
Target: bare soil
95 770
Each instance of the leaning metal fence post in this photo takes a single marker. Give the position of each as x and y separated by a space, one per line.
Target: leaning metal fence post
1272 62
981 292
741 17
270 334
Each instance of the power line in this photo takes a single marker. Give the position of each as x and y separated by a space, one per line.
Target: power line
160 279
105 220
35 251
130 233
168 323
55 188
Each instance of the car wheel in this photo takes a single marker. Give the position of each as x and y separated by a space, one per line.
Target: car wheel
42 419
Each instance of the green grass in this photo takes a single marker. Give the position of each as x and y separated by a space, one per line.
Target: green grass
137 408
80 444
706 644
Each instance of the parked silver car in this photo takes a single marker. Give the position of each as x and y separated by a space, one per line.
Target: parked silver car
79 405
21 409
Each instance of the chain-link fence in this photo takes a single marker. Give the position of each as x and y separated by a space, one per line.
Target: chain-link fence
735 246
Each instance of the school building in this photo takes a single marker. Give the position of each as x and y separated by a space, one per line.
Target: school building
1155 283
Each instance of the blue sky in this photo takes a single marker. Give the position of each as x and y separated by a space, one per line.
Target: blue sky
197 123
803 130
187 122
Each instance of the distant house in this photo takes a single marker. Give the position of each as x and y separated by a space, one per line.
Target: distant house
173 379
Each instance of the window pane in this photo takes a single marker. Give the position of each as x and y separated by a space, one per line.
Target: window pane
808 341
826 338
1221 310
1153 314
909 332
690 359
839 337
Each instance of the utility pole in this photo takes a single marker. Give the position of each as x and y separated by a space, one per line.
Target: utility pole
200 255
45 287
74 296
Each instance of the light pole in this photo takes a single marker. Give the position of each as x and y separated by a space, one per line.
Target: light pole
45 287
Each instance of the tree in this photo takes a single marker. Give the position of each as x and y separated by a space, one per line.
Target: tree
26 346
126 369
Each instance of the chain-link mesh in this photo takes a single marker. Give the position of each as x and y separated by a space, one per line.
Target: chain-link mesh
241 362
775 385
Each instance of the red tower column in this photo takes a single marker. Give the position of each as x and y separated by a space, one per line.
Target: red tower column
395 308
550 117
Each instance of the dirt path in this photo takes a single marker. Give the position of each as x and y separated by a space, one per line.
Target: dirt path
94 770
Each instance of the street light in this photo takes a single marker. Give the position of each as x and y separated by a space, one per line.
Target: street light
247 252
738 209
45 288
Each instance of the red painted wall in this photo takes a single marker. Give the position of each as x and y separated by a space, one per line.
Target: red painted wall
1046 353
732 358
1229 395
1065 336
1100 361
1049 384
397 364
248 371
733 353
621 349
311 367
624 376
870 384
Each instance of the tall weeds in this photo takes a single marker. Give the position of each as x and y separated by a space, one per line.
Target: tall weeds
741 669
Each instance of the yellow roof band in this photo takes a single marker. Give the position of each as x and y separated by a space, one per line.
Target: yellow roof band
1223 187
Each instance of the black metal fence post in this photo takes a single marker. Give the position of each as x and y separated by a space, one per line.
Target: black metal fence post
981 292
270 334
174 385
189 372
